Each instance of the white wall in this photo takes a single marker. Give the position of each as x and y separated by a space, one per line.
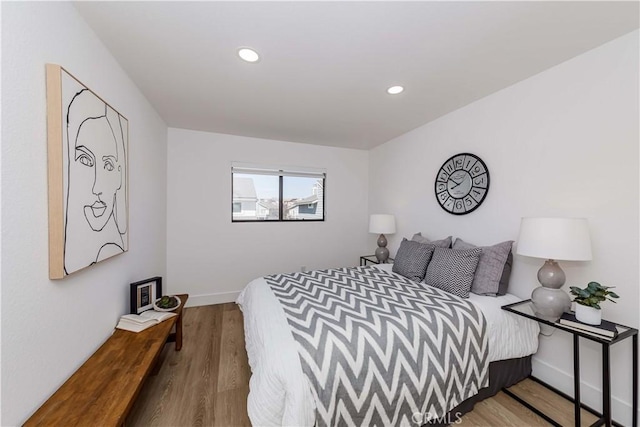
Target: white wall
50 327
212 258
562 143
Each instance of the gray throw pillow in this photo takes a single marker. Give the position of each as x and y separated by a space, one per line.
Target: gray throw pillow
494 268
412 259
444 243
452 270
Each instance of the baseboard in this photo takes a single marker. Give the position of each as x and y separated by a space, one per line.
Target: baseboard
211 299
589 395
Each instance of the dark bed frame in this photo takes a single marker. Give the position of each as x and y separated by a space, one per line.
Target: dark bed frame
502 374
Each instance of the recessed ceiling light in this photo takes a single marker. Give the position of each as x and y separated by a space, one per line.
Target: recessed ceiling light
394 90
248 54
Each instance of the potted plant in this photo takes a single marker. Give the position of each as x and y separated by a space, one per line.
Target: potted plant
588 302
167 303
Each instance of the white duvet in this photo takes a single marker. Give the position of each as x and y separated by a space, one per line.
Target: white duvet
279 393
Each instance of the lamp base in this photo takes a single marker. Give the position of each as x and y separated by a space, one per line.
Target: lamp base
549 301
551 275
382 253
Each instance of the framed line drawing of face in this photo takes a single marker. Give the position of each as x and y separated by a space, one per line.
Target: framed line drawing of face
88 144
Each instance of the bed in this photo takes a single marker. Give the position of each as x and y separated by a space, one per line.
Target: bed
281 391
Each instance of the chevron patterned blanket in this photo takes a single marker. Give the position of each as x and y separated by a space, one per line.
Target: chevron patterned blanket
380 349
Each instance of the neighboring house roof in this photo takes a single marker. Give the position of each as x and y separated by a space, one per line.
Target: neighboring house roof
243 188
268 204
306 201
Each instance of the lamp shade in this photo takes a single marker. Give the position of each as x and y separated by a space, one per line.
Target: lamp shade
555 238
382 224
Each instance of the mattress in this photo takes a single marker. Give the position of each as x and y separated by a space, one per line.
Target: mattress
279 392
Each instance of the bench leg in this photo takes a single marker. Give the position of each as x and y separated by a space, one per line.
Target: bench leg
179 333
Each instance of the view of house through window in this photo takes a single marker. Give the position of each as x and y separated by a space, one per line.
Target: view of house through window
277 195
255 197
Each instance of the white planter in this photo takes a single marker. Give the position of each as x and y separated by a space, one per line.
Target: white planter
588 315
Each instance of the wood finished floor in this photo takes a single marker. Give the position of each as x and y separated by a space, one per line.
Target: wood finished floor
207 383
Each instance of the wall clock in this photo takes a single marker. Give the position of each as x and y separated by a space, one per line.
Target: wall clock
462 184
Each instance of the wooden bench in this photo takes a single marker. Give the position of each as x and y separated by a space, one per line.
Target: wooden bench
102 391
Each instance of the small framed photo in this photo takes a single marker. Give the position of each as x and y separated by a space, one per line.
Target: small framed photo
144 293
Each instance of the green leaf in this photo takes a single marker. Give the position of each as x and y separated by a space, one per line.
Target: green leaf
593 301
576 291
594 286
613 295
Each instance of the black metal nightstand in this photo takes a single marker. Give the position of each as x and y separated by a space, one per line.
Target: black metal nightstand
366 259
525 308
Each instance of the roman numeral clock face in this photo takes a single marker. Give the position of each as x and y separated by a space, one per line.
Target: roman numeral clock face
462 184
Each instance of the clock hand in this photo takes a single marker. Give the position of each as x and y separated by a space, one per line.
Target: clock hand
457 183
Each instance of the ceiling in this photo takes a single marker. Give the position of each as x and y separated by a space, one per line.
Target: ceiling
325 66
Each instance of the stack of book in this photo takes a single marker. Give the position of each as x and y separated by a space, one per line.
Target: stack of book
606 330
142 321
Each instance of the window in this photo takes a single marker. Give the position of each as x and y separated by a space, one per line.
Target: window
276 194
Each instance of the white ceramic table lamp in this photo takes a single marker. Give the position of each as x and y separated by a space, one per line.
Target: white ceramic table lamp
382 224
553 239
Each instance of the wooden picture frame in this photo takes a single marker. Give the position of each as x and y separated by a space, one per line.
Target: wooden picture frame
88 170
144 293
